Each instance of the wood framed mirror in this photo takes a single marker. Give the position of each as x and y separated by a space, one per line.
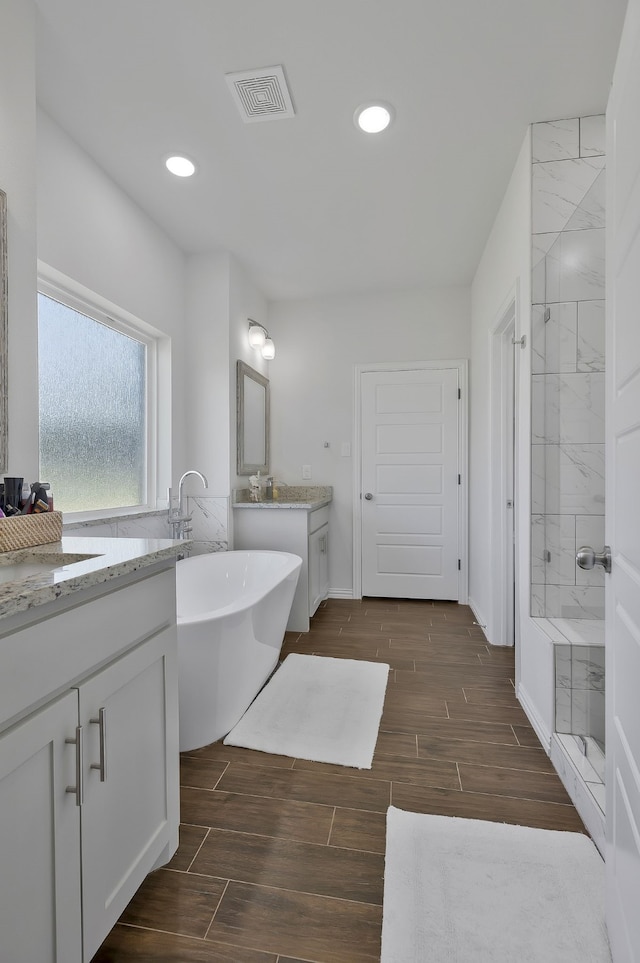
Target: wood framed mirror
253 405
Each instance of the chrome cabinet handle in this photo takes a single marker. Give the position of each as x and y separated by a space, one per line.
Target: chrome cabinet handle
78 789
587 559
102 765
368 496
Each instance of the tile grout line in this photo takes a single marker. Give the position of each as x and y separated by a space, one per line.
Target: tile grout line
208 828
226 887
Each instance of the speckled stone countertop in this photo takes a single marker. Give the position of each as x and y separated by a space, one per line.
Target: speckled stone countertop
34 576
288 496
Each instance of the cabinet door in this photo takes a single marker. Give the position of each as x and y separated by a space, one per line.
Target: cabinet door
40 905
131 809
318 567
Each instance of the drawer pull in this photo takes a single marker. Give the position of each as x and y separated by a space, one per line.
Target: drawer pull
102 765
78 789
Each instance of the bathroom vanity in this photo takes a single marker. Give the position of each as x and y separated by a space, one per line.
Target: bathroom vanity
296 521
88 738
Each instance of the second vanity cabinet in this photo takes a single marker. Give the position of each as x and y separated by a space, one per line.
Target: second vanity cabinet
291 528
89 775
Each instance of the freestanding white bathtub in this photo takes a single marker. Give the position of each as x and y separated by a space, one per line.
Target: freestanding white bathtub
232 615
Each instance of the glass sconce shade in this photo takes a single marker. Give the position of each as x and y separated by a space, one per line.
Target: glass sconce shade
257 335
268 350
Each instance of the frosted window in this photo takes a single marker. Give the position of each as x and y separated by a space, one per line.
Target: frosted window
92 411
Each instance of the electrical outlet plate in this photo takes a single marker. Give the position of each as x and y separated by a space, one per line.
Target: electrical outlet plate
306 471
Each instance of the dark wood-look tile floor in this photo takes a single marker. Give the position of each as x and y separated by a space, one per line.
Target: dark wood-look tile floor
281 860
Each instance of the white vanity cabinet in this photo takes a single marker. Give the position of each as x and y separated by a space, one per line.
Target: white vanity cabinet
88 775
291 528
40 908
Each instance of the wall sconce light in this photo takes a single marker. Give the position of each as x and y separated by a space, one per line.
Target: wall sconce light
259 338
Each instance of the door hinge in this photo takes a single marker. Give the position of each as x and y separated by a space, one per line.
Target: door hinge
459 394
459 565
459 482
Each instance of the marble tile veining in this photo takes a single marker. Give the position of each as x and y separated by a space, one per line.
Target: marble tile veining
562 656
560 549
209 517
591 332
590 212
592 135
559 188
541 244
568 408
574 601
554 344
581 631
568 479
575 267
555 140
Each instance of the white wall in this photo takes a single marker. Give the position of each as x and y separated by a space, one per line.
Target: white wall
89 230
505 268
312 378
502 274
18 181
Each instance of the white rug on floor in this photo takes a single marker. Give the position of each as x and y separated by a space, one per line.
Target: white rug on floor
317 708
470 891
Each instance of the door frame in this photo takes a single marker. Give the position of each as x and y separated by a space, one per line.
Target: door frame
462 366
502 467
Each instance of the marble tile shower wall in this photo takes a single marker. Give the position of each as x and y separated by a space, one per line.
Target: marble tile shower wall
580 690
210 523
567 430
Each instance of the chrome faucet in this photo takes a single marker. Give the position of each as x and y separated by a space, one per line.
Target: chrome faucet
178 519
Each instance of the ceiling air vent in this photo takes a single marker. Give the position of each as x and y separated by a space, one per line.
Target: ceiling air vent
261 94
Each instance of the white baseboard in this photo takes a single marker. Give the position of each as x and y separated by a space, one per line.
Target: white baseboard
543 734
475 608
336 593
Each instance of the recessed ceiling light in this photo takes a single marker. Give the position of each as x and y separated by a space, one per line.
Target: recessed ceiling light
180 166
373 118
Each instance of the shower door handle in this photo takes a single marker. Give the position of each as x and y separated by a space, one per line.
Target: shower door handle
586 558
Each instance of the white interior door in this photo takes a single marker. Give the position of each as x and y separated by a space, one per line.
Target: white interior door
410 483
623 501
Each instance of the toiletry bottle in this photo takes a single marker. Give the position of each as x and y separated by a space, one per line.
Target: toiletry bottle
268 489
25 501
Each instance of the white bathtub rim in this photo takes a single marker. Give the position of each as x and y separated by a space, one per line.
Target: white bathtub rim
248 600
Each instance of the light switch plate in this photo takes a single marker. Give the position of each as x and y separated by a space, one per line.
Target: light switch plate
306 471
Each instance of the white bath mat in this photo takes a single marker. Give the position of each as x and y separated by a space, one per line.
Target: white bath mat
470 891
317 708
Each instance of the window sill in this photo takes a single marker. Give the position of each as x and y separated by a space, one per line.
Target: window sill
72 519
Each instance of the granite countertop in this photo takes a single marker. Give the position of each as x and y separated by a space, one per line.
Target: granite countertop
79 563
288 496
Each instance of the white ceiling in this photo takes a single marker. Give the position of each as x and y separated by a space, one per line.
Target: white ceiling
310 205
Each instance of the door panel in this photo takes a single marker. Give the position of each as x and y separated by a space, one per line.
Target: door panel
623 504
410 523
127 815
40 838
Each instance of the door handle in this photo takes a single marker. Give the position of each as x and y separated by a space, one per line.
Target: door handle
587 559
368 496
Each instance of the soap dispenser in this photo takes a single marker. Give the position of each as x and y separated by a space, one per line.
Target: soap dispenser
268 488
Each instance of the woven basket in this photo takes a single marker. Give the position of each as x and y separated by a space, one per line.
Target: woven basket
24 531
